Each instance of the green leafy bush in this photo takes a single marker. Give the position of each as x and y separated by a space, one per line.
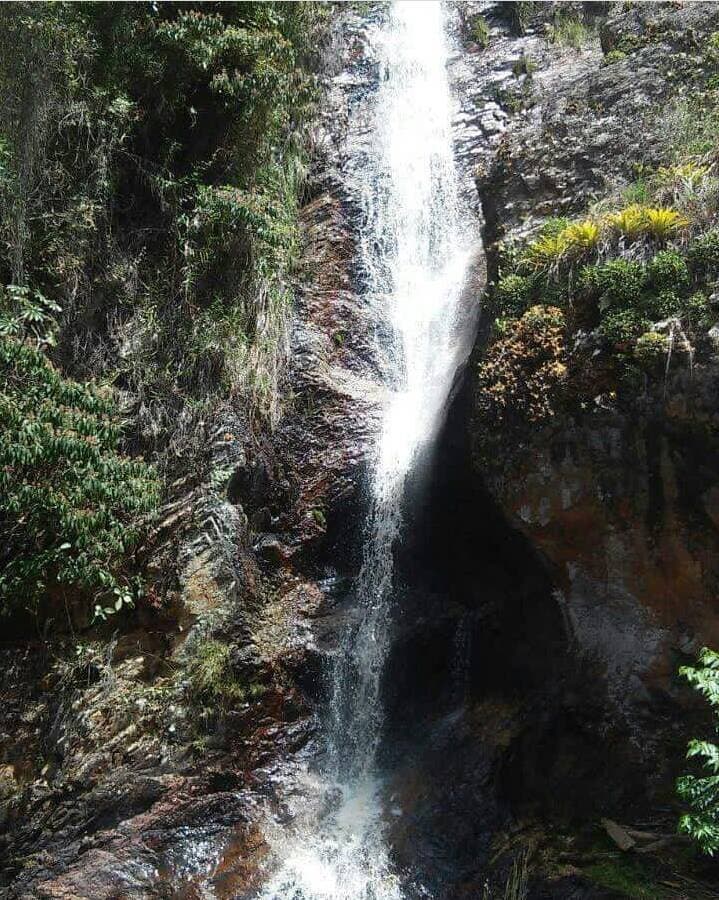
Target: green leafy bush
621 327
668 269
614 56
699 311
651 349
154 169
700 793
703 254
511 296
617 283
662 305
70 503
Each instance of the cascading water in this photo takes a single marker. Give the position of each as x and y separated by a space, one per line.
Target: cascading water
415 248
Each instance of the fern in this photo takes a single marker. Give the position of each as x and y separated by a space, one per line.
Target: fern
700 793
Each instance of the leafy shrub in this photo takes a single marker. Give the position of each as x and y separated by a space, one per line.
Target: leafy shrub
617 283
699 311
662 305
667 269
703 254
70 503
700 793
651 349
522 374
621 327
511 295
614 56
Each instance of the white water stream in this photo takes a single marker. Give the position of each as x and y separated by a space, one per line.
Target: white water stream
415 249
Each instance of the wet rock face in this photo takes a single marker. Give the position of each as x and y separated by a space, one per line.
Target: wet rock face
620 500
147 788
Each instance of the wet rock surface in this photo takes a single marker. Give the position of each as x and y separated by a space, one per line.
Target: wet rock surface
118 780
545 601
617 499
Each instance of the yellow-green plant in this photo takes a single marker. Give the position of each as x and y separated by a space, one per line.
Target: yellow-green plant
582 236
662 222
688 173
568 244
546 252
628 222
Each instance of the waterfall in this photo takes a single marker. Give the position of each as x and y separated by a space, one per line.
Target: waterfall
414 252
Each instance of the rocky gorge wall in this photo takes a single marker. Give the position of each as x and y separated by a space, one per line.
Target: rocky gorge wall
619 501
548 593
615 498
132 767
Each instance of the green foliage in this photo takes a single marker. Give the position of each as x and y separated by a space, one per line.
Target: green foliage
651 349
700 793
619 328
479 30
582 237
524 370
668 269
629 222
70 503
525 65
703 254
699 311
28 315
546 253
213 688
662 223
568 30
616 283
554 225
151 160
558 245
692 127
521 12
663 305
637 193
150 175
319 517
511 296
614 56
625 876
